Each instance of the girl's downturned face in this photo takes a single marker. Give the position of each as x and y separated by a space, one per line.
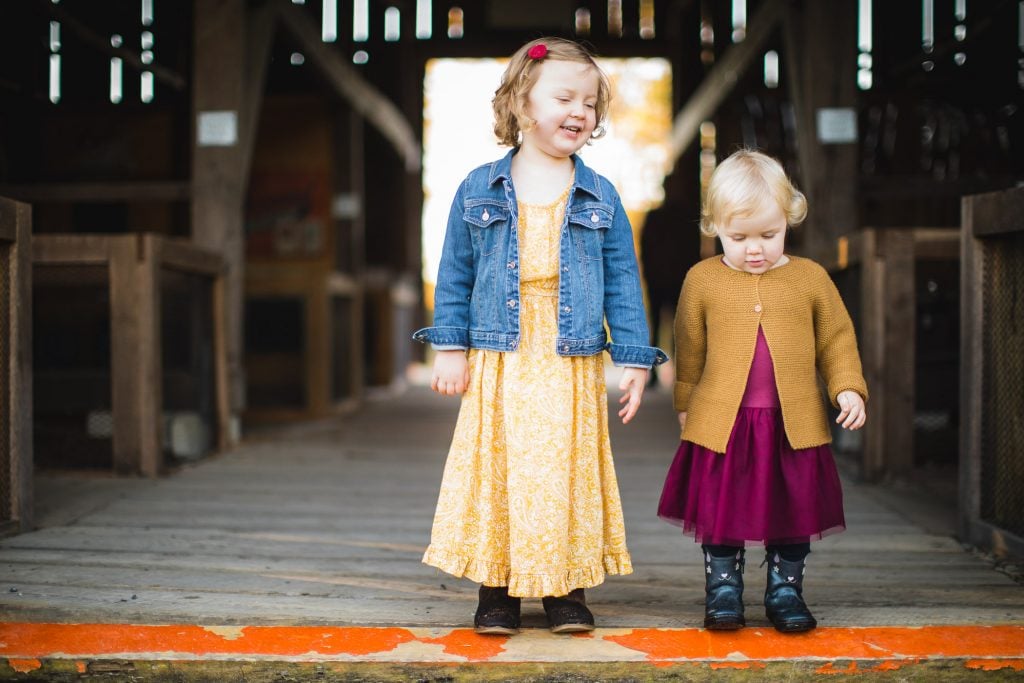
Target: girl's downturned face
562 102
755 243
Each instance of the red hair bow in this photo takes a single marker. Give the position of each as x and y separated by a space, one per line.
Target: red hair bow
538 51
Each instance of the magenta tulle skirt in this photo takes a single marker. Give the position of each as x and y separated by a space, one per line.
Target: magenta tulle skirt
759 491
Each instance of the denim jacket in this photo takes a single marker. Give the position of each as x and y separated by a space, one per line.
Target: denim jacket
476 300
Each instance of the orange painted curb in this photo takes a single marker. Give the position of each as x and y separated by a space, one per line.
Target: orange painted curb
888 648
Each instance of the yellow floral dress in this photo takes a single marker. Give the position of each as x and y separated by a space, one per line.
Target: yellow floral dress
529 497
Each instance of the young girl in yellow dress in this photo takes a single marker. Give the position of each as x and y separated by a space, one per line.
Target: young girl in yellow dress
538 256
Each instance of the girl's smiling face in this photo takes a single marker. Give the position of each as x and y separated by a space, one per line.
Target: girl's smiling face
562 103
755 243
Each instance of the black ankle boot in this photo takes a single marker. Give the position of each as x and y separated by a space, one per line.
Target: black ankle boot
497 612
783 595
723 592
568 614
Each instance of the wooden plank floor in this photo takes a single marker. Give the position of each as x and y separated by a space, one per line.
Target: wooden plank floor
325 523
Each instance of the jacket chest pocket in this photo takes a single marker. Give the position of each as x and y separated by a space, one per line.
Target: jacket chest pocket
487 221
588 226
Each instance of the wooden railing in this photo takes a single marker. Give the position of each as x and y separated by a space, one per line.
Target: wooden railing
992 372
885 315
135 265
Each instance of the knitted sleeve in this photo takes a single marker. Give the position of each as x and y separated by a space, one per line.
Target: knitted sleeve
836 352
690 340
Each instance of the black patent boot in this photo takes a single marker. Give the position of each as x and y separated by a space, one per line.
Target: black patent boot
783 595
497 613
723 592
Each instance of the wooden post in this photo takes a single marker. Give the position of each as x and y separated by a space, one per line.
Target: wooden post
136 376
219 166
887 348
972 301
820 49
16 229
220 351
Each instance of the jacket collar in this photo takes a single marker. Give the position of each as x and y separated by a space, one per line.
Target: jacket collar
586 178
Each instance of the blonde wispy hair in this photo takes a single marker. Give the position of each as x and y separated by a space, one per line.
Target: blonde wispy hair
509 102
742 184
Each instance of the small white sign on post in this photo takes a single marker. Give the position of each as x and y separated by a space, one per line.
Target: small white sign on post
837 126
217 129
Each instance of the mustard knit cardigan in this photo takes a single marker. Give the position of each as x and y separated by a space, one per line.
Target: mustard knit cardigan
807 329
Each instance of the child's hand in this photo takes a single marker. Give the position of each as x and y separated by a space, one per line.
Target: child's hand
682 422
633 382
451 372
852 415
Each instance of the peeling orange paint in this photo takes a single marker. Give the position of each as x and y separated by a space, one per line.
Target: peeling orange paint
875 649
81 667
297 640
738 665
872 643
41 640
829 669
467 643
995 664
24 666
893 665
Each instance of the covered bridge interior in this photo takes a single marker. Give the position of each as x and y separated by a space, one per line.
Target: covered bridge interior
226 197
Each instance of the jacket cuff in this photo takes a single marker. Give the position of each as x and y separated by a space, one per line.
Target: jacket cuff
449 338
636 356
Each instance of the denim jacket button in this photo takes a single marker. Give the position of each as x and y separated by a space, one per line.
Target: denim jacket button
511 303
565 269
594 217
511 265
485 215
567 309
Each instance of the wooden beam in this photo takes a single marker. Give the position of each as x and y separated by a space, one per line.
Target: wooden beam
218 176
150 358
77 249
124 349
94 40
188 258
222 377
262 24
16 228
972 364
359 93
820 52
159 191
997 213
722 78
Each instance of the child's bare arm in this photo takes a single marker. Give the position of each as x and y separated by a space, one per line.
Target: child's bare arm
633 382
451 372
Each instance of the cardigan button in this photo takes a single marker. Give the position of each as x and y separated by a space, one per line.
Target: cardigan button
757 308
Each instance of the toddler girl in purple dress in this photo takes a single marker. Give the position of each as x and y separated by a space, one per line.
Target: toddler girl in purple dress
754 329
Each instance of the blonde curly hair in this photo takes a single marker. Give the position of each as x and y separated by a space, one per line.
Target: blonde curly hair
521 74
741 185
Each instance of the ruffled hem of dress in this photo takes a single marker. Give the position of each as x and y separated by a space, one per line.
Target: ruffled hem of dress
528 585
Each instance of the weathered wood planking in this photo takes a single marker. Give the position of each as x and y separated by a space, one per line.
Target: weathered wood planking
325 523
